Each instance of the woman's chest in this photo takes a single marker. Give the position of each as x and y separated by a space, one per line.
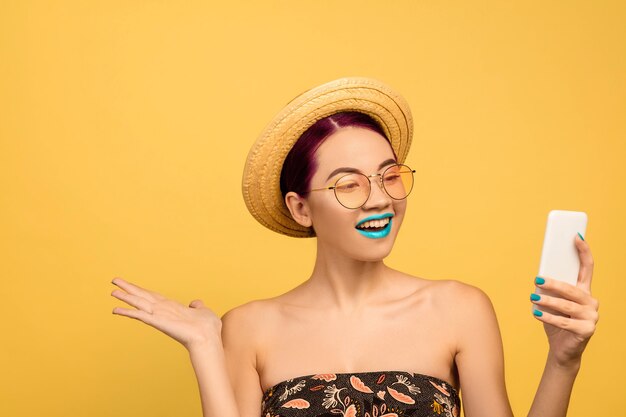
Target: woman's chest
387 340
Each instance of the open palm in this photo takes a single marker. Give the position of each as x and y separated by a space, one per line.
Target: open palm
188 325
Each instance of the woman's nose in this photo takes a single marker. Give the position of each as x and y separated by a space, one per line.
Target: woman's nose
378 196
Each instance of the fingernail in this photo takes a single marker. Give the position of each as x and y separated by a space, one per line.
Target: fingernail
537 313
535 297
539 281
581 236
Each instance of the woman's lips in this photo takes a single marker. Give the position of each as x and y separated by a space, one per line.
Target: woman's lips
376 234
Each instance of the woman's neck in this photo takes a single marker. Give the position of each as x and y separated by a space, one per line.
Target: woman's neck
347 284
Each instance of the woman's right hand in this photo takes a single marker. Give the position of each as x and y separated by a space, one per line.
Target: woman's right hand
191 326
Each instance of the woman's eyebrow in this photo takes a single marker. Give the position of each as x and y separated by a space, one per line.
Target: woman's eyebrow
389 161
354 170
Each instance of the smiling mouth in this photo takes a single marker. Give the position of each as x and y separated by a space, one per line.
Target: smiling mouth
374 225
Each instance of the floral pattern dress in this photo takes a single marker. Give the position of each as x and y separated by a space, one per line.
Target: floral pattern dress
362 394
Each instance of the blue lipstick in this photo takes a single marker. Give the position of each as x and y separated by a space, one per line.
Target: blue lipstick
376 234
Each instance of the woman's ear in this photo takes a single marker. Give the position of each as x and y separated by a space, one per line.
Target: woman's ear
298 208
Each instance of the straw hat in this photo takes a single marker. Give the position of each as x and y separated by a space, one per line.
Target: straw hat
261 175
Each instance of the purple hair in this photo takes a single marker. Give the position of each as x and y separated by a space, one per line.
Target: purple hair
300 163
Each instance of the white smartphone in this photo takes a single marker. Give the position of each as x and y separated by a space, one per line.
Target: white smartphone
559 257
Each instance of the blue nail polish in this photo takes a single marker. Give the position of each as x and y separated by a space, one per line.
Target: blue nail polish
581 236
539 281
535 297
537 313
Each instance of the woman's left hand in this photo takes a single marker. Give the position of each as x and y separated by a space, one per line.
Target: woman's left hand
568 335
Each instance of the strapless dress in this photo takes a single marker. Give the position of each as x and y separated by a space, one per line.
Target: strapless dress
362 394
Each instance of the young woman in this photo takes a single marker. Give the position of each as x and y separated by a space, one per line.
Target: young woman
358 338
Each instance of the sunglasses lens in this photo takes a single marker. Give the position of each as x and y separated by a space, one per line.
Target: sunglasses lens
352 190
398 181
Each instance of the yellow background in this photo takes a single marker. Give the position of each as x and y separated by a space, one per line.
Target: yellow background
125 125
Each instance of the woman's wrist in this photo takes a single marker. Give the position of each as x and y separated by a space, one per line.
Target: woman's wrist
208 342
207 336
571 366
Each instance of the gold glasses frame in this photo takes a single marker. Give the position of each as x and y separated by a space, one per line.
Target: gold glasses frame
381 184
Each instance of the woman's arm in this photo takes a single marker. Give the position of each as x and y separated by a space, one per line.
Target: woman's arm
241 333
567 335
479 358
216 393
553 394
200 331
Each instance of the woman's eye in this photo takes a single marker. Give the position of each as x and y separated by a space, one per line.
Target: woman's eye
347 187
391 178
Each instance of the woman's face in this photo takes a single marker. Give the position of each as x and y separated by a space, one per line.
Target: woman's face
363 150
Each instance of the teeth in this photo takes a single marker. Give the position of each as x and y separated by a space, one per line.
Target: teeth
374 223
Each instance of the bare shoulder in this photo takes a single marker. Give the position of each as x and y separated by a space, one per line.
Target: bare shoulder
460 295
457 302
452 299
250 322
246 319
467 311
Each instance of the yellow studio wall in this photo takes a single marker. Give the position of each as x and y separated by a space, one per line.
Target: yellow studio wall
125 125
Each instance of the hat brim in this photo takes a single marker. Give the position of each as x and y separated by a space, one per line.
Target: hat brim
261 176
